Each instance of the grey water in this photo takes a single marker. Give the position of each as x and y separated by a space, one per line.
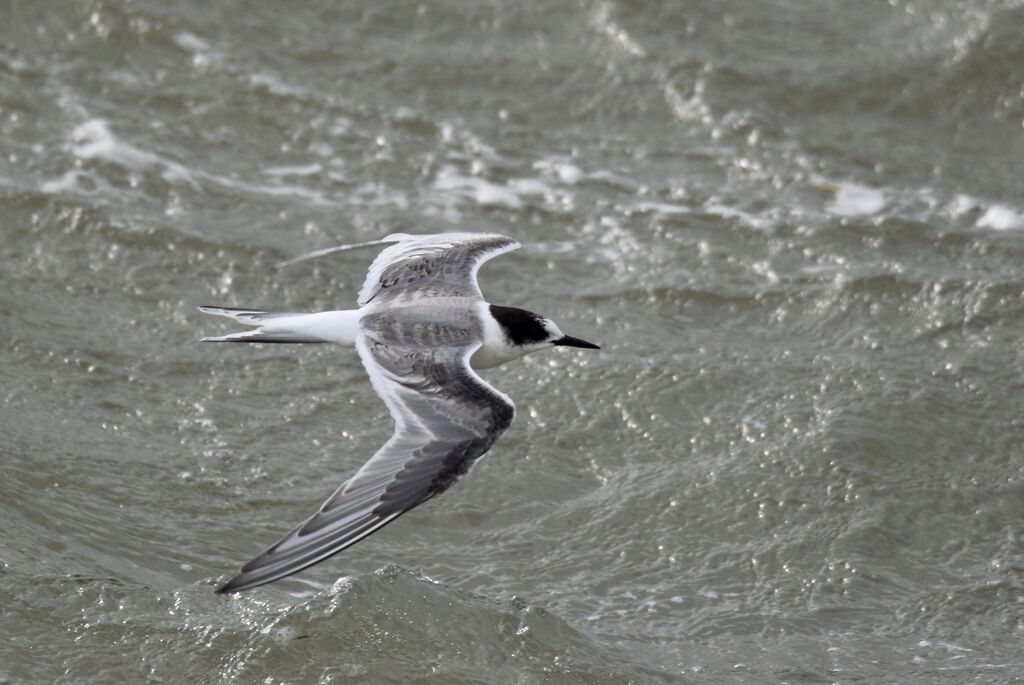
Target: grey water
795 227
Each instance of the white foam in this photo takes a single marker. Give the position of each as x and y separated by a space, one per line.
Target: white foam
190 42
66 183
298 170
486 193
481 191
996 216
202 55
661 208
569 173
458 133
94 140
963 204
613 243
564 171
619 37
852 199
310 195
1001 218
755 222
616 180
275 85
528 186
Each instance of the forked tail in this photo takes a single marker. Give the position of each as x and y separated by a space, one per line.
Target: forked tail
289 327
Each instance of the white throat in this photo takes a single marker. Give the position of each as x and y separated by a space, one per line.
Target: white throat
496 349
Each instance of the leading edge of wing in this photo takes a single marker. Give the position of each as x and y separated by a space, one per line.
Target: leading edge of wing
358 507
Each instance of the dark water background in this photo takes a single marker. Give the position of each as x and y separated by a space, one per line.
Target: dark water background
796 227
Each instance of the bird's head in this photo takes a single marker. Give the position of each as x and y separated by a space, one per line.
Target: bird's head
531 332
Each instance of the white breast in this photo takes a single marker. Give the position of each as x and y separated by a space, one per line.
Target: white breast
496 349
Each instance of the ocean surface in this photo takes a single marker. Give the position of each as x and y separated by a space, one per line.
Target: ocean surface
796 227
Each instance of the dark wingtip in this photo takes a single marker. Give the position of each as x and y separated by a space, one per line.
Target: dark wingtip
569 341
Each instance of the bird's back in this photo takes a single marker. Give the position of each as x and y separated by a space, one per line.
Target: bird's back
425 322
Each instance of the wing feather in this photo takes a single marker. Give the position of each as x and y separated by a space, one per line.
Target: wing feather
446 417
443 264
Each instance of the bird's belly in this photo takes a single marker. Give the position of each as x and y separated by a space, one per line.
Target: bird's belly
489 356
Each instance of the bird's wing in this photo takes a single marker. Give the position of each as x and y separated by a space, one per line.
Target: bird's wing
446 417
444 264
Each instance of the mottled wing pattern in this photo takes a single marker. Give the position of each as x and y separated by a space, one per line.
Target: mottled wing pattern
446 417
434 265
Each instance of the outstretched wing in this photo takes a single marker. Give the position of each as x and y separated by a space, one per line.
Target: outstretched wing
446 417
444 264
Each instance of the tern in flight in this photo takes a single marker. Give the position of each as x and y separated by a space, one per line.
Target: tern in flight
421 329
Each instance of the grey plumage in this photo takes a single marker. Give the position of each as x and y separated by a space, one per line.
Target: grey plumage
422 321
438 268
421 325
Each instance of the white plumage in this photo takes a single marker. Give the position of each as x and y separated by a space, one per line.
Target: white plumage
421 328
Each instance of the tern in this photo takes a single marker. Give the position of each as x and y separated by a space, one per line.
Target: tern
421 330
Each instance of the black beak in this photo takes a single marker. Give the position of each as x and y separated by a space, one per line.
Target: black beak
570 341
